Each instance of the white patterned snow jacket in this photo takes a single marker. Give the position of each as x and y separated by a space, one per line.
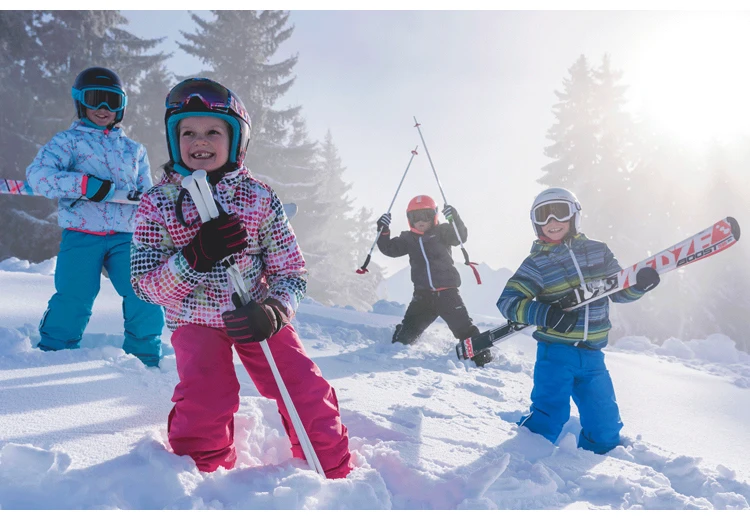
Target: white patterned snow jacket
272 265
59 167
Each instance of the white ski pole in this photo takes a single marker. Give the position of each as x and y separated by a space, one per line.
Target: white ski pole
445 201
205 193
363 269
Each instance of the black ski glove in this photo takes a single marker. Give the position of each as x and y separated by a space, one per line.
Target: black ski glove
450 213
384 222
216 239
646 279
560 320
254 321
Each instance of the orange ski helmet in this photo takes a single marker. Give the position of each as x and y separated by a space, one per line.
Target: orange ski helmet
421 207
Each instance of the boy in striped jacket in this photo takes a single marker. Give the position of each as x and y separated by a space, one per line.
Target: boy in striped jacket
570 361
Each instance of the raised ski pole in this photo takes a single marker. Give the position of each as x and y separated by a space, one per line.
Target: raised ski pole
445 202
363 269
200 190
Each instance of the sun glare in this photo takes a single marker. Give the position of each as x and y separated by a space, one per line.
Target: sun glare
692 78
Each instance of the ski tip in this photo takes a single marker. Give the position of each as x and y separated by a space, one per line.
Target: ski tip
735 227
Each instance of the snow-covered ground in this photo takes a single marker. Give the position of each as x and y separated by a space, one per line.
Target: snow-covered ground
86 429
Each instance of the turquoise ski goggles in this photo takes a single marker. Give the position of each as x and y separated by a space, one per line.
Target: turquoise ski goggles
97 97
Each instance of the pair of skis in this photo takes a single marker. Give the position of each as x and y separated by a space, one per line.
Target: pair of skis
200 190
14 187
709 242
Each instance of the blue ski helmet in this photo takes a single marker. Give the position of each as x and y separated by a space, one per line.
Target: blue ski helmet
197 97
98 87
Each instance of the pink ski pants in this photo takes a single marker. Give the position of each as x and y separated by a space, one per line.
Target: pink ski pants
201 423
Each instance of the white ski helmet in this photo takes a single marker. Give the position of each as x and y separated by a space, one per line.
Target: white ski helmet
559 203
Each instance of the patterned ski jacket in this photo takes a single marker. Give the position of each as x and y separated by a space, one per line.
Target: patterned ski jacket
272 265
58 170
550 272
430 254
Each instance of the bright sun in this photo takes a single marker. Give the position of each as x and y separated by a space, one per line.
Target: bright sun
692 78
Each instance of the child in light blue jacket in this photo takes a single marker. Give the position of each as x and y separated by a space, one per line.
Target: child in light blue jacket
82 167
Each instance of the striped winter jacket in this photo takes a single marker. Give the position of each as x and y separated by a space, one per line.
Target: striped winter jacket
549 273
272 265
58 169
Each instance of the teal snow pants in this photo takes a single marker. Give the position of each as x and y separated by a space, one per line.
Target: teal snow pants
564 371
77 282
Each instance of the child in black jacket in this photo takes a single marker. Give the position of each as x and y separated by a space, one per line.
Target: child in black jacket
435 278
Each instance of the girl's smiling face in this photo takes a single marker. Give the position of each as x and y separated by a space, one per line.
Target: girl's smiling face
555 230
204 142
101 116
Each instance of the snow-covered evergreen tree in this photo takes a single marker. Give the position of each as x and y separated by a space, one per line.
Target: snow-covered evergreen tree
145 116
238 49
574 133
281 152
337 244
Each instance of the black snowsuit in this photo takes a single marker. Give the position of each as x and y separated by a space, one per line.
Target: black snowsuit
435 279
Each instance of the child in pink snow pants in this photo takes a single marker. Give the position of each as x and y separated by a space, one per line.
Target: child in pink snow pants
176 263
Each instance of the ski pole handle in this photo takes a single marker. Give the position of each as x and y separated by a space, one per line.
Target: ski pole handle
201 178
200 190
189 184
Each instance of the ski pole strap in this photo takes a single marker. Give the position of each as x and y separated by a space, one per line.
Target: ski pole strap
471 264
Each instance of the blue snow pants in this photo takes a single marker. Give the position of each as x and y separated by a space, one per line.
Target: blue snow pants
77 282
564 371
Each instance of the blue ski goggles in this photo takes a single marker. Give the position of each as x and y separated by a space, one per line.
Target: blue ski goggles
98 97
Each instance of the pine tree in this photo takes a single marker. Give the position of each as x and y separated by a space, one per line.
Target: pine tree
238 49
145 116
333 279
614 198
574 147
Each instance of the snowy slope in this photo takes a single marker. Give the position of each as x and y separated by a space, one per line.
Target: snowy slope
86 429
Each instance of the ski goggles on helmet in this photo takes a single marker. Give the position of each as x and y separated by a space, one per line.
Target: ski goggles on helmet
422 215
97 97
560 210
213 95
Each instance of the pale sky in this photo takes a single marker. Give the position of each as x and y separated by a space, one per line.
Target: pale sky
482 85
